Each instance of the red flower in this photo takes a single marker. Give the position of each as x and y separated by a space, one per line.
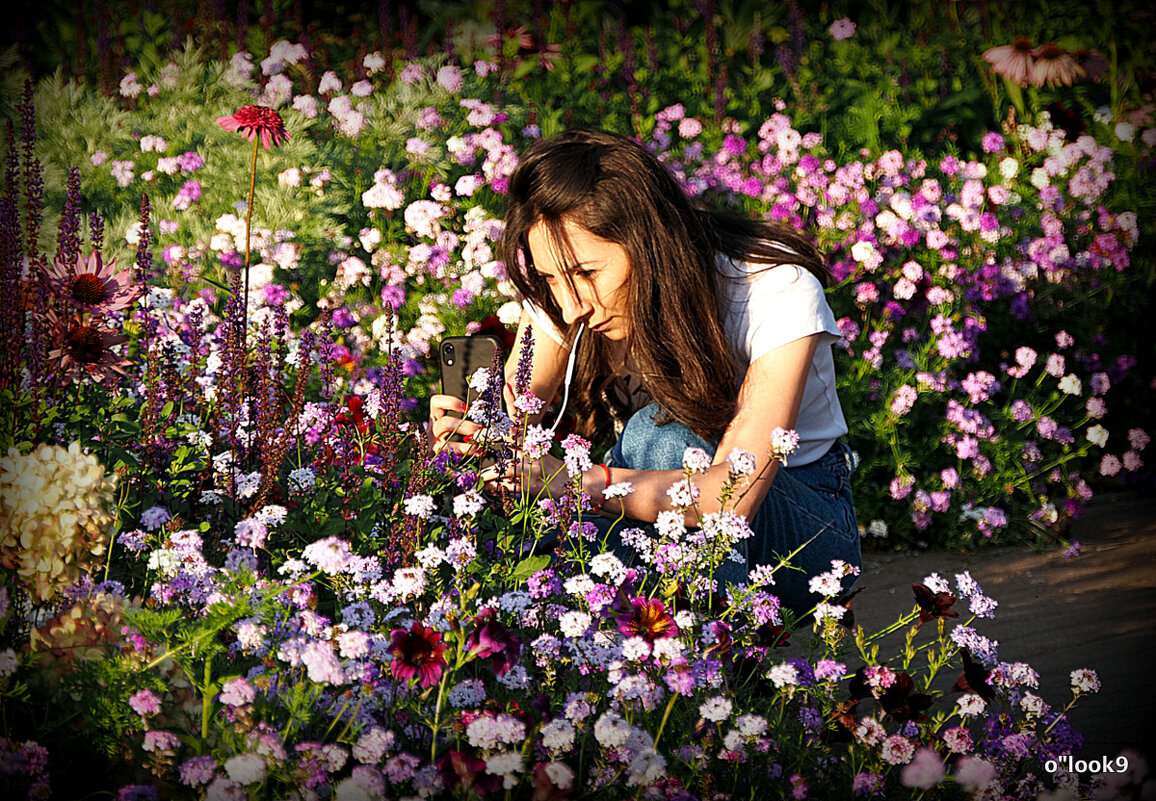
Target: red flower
256 121
417 652
647 619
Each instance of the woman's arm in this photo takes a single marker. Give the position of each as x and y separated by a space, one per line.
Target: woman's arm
769 398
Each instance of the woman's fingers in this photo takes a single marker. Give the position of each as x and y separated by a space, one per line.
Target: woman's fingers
447 419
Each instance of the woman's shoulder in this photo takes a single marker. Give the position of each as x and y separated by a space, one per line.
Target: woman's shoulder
750 277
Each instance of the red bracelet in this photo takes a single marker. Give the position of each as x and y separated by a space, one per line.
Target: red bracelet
602 503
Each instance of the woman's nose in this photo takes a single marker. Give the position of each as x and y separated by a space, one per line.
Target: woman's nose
573 306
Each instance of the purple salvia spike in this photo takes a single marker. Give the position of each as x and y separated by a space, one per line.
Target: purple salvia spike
68 241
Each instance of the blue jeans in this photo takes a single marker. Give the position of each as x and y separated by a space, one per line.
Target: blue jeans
804 501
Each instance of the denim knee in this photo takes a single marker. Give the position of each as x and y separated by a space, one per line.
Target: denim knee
646 445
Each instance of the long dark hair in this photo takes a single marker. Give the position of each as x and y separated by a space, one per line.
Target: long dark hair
617 190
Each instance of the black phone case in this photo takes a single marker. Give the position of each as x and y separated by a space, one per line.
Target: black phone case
460 357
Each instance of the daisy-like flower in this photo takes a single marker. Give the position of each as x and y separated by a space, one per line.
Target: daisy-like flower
1054 66
417 652
1014 61
85 349
92 285
647 619
254 121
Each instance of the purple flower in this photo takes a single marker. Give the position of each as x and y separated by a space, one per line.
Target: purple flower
992 142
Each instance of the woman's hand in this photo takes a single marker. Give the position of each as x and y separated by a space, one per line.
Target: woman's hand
546 477
443 425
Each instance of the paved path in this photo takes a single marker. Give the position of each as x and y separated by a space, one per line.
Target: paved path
1097 610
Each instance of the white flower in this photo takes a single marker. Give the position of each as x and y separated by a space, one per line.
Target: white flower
246 768
558 735
783 675
419 506
468 504
1071 385
970 705
742 463
611 730
696 460
1097 435
784 441
715 709
1085 680
574 624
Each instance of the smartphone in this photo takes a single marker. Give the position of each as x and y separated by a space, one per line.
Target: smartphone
460 357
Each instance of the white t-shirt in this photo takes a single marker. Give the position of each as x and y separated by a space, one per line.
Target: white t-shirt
763 308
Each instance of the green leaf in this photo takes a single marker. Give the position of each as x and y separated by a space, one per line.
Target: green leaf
528 567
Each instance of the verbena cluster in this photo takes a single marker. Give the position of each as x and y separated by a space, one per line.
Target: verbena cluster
298 598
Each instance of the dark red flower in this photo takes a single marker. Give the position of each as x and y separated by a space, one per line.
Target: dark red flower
254 121
902 703
417 652
491 639
974 678
468 772
933 604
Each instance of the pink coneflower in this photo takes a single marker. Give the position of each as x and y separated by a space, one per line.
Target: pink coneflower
92 285
417 652
85 349
254 121
1014 61
1054 66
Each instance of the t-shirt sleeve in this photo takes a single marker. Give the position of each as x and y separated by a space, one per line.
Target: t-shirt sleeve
783 304
542 321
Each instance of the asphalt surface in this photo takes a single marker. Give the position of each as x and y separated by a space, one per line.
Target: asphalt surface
1096 610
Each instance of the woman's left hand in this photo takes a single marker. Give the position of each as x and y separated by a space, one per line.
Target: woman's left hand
546 476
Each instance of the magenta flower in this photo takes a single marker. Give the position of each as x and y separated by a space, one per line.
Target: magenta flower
254 121
492 639
417 652
648 619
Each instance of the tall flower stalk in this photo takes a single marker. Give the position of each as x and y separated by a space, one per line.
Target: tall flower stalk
259 124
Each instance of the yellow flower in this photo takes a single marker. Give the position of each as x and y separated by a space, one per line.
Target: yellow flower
54 516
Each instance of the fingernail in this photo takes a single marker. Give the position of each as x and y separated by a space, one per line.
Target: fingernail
468 437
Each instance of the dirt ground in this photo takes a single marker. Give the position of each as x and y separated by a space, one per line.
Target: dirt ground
1097 610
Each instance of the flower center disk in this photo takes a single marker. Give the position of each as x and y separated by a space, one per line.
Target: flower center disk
88 288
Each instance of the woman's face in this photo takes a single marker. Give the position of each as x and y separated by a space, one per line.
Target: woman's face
600 270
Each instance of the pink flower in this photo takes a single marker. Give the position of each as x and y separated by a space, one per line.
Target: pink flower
842 29
92 285
1013 61
1054 66
254 121
924 771
145 703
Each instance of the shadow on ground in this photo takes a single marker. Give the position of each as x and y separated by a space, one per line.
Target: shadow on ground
1097 610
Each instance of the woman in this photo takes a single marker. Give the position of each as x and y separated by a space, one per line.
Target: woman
703 328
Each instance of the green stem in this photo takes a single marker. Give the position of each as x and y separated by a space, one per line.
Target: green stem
665 715
206 700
